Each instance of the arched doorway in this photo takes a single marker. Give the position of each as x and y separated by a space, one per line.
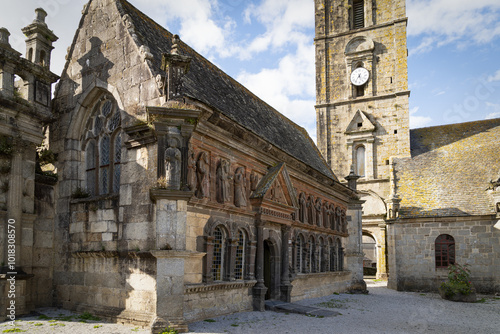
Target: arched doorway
370 258
271 270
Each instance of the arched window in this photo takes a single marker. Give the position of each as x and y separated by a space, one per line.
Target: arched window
43 61
321 256
219 250
239 267
311 256
90 156
360 160
103 149
445 251
340 256
333 255
299 255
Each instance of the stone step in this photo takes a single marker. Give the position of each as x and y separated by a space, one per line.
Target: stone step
283 307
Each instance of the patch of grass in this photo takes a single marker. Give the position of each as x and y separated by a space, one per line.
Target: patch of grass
65 318
43 317
422 294
234 325
332 303
88 316
38 324
53 320
13 330
135 329
482 300
209 320
97 326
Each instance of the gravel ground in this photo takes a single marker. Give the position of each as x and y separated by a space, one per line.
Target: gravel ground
381 311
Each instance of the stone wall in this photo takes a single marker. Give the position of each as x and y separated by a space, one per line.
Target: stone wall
477 243
217 299
120 286
320 284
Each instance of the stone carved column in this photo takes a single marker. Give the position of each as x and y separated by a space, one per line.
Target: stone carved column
353 254
259 290
252 245
286 286
209 258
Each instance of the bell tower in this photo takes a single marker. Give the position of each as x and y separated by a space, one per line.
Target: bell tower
362 87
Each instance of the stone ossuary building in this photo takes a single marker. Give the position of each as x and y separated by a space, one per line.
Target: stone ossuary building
179 195
431 195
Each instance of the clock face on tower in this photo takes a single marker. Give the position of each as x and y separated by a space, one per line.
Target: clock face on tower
359 76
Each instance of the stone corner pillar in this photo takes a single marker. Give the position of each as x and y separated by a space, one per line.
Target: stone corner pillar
353 250
170 290
393 274
259 290
170 254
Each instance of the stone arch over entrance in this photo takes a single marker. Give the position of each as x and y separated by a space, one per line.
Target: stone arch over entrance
272 271
370 254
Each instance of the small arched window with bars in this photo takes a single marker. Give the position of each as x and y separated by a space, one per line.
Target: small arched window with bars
219 252
239 266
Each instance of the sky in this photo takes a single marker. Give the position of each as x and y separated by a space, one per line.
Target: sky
267 45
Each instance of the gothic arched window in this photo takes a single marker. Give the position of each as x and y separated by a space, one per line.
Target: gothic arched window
445 251
239 267
300 258
103 149
219 253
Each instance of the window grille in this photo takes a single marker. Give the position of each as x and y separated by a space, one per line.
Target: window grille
445 251
218 259
103 149
240 257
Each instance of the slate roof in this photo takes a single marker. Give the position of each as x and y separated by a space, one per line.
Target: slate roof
450 169
209 84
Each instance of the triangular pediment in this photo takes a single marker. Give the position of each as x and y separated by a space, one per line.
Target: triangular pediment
276 187
360 123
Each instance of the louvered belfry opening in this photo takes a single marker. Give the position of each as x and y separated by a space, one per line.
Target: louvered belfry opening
358 11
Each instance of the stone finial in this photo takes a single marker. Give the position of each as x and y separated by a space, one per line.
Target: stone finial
352 179
41 14
175 45
4 36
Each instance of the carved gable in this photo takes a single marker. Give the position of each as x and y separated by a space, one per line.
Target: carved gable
360 123
276 187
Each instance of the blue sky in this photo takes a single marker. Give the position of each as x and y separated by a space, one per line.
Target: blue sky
267 45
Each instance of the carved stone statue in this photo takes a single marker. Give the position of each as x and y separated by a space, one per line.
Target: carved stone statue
254 181
202 170
173 166
302 208
311 217
191 170
319 215
222 181
240 198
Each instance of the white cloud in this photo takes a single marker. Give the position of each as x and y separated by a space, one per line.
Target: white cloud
201 26
418 121
444 21
494 77
495 113
285 22
289 88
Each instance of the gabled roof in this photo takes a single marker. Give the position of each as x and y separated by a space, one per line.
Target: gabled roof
450 170
208 84
283 183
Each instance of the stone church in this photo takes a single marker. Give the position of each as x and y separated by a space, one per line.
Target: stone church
432 195
164 192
